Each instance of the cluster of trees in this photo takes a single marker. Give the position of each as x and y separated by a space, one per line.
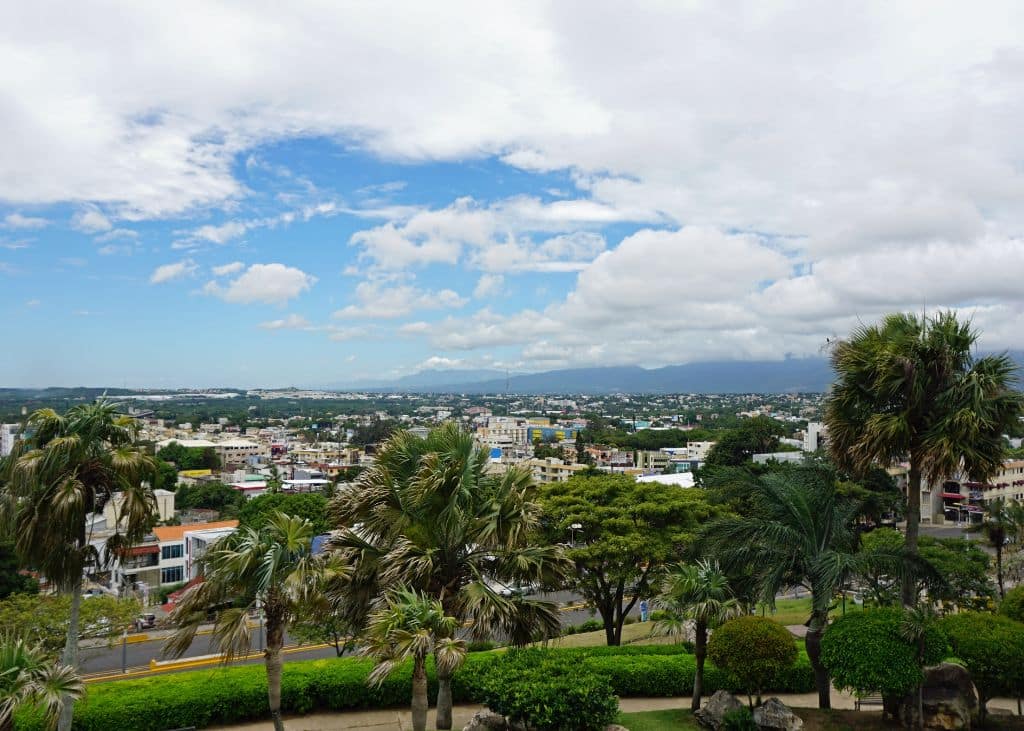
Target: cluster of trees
190 458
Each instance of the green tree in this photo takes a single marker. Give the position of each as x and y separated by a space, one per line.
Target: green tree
736 447
12 581
412 625
697 593
910 388
311 506
998 527
1012 605
754 650
629 532
166 477
67 468
43 619
225 499
30 678
432 517
797 532
271 567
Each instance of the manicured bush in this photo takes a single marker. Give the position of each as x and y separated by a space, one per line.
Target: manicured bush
1012 605
755 650
739 719
865 652
549 692
239 694
992 650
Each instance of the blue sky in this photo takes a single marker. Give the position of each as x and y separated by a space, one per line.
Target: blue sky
245 195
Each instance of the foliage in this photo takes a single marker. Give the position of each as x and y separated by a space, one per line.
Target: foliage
190 458
753 649
318 624
43 619
30 678
911 388
999 525
225 499
310 506
866 652
1012 605
737 446
630 532
549 693
877 493
378 430
166 477
991 648
739 719
160 594
12 581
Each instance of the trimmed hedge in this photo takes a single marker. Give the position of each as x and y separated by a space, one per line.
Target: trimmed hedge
238 694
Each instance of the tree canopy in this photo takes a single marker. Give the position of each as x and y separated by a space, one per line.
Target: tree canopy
311 506
190 458
735 447
629 532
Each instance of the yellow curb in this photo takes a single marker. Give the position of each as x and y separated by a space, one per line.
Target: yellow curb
135 639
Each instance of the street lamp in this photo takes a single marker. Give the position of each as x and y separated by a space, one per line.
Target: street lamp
572 532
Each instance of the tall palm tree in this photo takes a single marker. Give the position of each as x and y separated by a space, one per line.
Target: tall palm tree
700 594
911 389
66 469
411 625
1000 524
272 568
797 531
30 677
431 516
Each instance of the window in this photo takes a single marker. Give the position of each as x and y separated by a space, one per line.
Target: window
173 551
172 575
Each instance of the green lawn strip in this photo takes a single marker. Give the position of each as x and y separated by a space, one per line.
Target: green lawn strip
675 718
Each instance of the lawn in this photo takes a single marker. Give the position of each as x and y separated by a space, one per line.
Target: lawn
813 718
675 718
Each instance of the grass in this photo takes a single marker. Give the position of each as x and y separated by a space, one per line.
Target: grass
797 611
675 719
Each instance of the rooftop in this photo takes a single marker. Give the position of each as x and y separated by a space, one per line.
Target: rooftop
177 532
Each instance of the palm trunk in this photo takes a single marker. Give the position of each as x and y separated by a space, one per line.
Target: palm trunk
700 651
999 568
909 586
272 659
419 695
70 656
443 720
821 678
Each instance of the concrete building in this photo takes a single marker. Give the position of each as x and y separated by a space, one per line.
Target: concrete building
814 436
182 545
550 469
8 434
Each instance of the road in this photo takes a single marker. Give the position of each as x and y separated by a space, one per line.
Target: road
135 656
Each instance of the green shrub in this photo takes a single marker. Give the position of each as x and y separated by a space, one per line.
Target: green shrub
549 692
992 649
739 719
1012 605
865 652
481 646
754 650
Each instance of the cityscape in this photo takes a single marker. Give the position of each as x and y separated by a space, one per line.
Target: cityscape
545 366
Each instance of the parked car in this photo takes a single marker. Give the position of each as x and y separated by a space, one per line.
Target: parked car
145 621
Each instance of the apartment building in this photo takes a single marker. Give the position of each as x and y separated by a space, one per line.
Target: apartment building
1007 484
181 546
550 469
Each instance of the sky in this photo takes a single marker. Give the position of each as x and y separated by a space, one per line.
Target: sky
264 194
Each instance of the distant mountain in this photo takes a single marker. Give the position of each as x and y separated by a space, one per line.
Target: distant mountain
793 375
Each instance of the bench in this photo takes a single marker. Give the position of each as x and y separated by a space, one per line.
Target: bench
868 700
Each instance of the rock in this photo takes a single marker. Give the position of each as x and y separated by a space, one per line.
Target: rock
615 727
774 714
486 720
715 708
948 699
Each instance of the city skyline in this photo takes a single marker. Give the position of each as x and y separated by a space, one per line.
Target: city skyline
251 196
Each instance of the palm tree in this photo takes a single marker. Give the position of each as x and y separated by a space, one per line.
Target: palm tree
910 389
797 531
999 525
411 625
914 629
700 594
429 515
272 568
66 469
29 677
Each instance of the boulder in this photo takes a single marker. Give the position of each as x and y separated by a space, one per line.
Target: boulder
715 708
948 699
615 727
775 715
486 720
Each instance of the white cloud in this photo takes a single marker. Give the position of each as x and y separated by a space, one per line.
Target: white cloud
439 363
33 303
378 300
118 233
15 245
489 285
221 234
170 272
91 220
291 322
225 269
16 221
266 283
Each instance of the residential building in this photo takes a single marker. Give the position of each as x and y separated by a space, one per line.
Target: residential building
814 436
551 469
181 546
8 435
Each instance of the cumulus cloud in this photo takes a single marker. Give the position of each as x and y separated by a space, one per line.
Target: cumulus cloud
489 285
17 220
91 220
170 272
291 322
380 300
225 269
266 283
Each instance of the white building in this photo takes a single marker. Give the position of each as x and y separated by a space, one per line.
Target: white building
182 545
8 434
814 436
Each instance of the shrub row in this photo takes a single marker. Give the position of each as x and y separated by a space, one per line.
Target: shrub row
237 694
